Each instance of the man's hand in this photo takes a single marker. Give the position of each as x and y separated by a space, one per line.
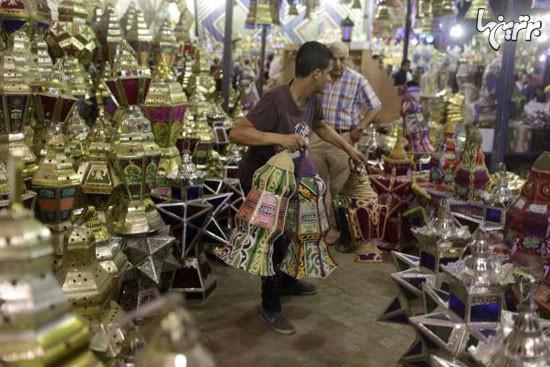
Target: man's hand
292 142
357 156
355 135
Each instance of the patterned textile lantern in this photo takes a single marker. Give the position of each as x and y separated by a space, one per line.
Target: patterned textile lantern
307 226
415 127
444 160
472 176
527 226
261 219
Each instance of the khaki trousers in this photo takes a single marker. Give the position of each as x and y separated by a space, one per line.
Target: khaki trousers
333 167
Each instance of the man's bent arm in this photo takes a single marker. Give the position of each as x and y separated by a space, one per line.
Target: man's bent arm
244 133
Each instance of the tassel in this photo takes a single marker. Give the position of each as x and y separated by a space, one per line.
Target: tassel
251 16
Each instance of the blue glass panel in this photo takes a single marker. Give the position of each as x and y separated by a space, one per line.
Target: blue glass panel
457 306
488 312
493 215
427 260
415 350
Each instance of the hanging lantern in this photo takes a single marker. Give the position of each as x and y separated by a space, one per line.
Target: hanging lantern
165 107
443 8
347 29
260 221
475 5
306 226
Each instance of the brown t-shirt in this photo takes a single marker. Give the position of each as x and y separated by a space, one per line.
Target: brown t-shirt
276 112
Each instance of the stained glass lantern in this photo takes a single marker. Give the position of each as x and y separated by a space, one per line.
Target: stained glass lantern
139 37
475 293
188 183
135 159
165 107
129 82
15 98
14 14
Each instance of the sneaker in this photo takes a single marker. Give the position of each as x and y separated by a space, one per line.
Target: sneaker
298 288
277 322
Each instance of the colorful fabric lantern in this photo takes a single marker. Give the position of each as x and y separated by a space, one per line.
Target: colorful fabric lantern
444 161
527 226
472 176
306 227
261 219
415 127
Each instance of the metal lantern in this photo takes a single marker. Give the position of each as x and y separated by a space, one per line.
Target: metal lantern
135 159
76 131
188 183
475 294
174 339
85 283
165 45
443 8
497 201
139 37
37 327
56 184
97 175
347 29
14 15
15 98
475 5
442 241
39 50
129 82
165 107
71 35
54 101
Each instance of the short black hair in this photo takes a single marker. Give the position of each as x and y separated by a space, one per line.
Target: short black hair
312 55
405 62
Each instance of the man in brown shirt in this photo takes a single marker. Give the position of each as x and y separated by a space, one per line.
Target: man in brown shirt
271 126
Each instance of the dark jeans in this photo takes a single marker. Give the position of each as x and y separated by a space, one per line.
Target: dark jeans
271 286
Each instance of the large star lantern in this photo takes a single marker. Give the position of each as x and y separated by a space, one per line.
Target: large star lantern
226 197
150 256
